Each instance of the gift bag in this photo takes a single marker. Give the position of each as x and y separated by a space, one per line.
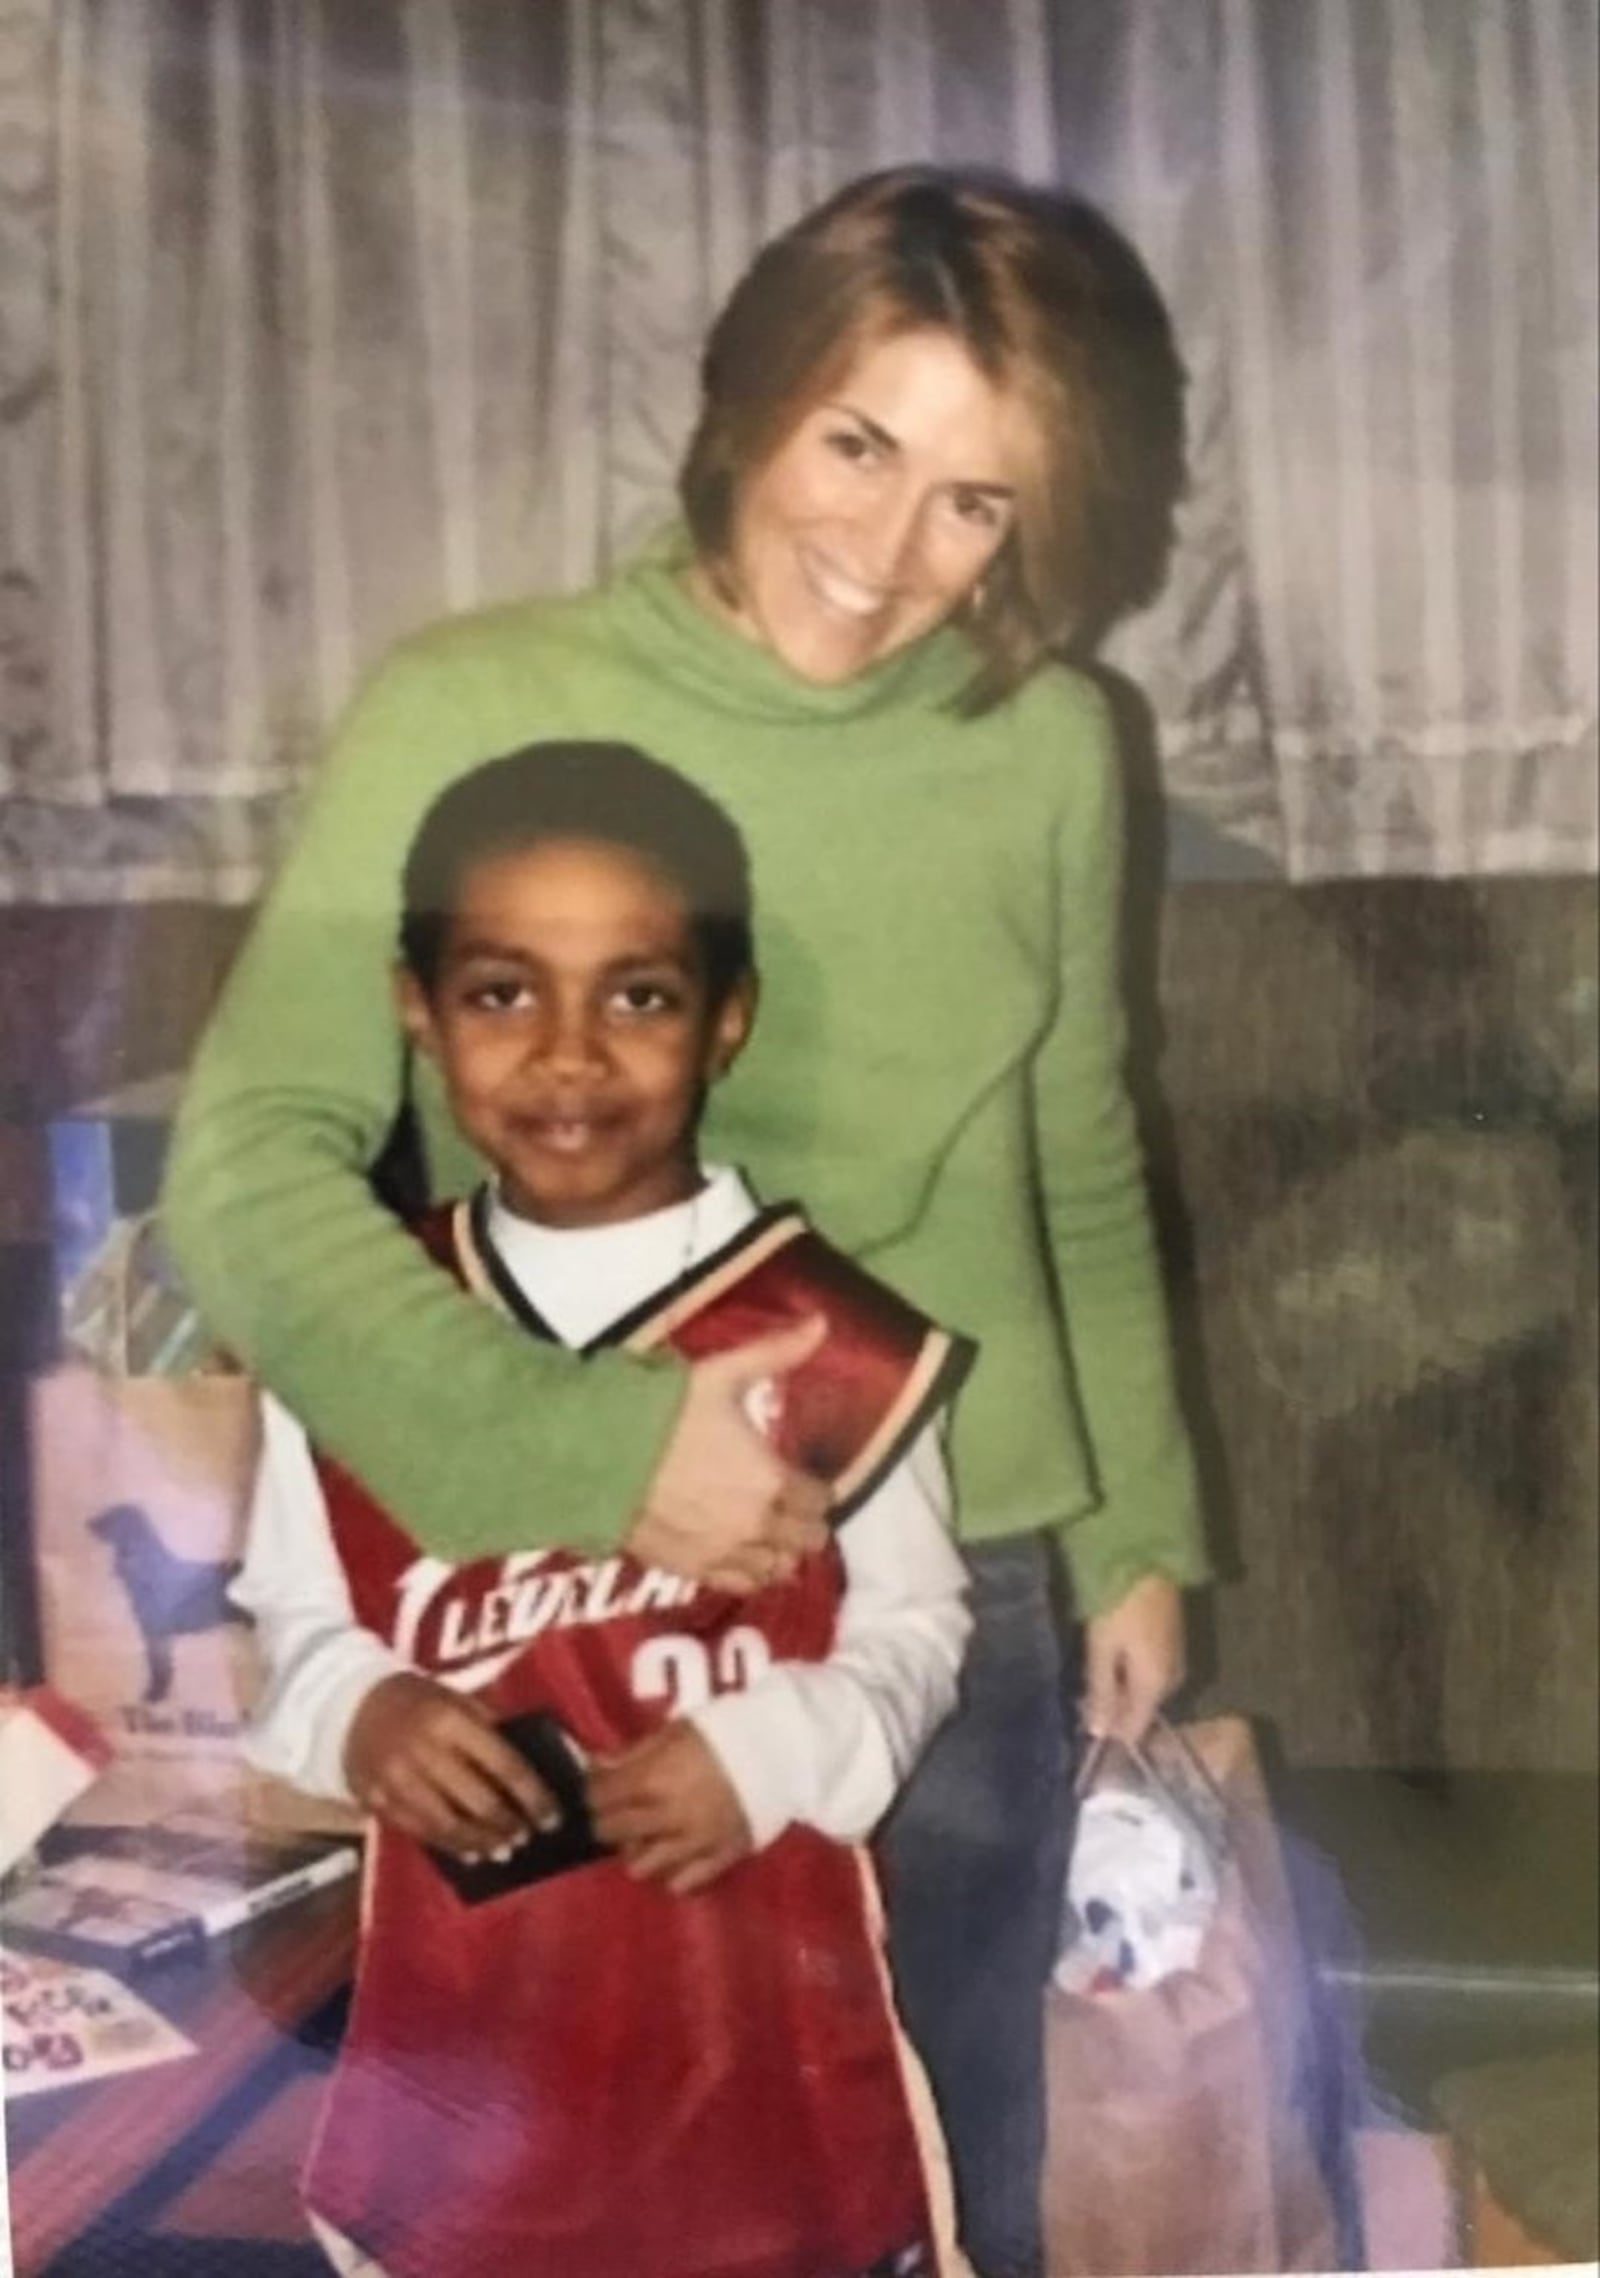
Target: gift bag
1179 2136
139 1489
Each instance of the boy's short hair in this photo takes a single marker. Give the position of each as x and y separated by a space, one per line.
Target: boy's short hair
610 794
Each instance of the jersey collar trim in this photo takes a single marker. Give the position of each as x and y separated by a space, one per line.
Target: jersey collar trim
642 1328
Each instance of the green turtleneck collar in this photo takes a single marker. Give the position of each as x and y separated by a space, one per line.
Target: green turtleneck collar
653 603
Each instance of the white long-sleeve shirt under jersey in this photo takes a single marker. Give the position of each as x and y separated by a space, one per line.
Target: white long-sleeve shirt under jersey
825 1744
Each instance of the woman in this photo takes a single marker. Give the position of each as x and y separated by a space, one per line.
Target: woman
939 436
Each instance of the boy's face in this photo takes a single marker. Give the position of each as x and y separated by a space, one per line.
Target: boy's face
570 1022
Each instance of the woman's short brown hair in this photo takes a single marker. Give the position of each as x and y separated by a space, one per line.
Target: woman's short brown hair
1055 308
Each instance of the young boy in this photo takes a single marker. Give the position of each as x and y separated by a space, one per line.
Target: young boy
680 2060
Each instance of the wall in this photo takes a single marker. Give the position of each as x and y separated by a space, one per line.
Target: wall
1378 1165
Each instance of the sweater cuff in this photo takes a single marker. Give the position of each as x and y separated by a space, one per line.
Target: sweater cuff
1150 1525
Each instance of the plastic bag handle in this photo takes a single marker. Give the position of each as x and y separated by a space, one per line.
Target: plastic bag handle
1138 1756
1155 1780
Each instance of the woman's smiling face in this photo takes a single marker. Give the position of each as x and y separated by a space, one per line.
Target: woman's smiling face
879 512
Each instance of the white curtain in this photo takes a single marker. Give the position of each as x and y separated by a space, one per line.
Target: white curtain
320 318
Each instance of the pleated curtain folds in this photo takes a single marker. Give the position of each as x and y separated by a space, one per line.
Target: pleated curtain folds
320 319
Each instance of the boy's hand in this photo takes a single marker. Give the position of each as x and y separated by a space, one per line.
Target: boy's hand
670 1810
430 1763
723 1507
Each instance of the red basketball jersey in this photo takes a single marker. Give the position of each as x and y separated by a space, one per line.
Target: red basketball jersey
589 2078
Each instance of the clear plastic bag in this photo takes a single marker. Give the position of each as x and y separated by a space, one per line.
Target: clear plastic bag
1142 1880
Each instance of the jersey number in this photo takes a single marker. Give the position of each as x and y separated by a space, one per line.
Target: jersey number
685 1672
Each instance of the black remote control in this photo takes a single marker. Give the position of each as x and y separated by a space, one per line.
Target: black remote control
540 1738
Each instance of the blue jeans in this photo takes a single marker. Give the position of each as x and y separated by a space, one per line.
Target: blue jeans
974 1863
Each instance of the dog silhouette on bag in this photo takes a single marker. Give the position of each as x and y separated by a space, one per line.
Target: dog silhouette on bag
170 1596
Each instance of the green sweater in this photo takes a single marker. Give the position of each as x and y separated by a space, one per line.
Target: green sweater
935 1073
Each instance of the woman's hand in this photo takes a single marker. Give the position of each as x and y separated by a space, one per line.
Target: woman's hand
670 1810
430 1763
1133 1660
723 1508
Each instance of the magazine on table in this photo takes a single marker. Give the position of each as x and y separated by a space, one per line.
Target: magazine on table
127 1897
65 2023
